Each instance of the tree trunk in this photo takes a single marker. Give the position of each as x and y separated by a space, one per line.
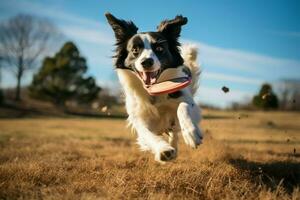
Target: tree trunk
19 76
18 87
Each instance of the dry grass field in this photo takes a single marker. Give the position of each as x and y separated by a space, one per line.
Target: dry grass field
245 155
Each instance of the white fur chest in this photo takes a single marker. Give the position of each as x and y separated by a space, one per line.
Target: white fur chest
157 112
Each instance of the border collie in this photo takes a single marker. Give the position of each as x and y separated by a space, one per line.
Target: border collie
142 57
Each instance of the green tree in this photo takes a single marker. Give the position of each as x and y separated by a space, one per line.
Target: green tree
61 78
266 98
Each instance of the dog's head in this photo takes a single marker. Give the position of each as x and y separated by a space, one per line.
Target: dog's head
147 53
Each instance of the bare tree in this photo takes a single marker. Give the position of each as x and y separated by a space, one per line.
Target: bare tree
23 41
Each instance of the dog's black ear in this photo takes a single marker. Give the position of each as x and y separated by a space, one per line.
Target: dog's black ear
172 28
123 29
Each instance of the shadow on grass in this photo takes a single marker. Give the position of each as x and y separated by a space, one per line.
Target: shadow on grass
12 111
285 173
217 117
295 142
290 155
97 115
124 116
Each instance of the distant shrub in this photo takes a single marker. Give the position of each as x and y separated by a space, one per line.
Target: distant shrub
266 98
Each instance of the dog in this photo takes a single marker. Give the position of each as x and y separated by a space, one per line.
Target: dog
140 58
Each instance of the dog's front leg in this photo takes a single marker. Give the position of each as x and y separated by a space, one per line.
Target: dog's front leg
148 140
189 116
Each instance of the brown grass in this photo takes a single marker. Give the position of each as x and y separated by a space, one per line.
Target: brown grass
244 156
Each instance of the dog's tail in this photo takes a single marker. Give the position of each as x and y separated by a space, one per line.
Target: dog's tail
189 53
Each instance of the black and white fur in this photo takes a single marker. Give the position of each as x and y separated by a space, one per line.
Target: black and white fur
142 57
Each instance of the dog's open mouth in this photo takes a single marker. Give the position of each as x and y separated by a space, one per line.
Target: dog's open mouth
149 78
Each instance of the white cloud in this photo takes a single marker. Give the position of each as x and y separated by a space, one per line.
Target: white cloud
51 12
243 60
88 35
72 25
231 78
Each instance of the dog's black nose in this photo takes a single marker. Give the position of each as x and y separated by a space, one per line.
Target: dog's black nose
147 63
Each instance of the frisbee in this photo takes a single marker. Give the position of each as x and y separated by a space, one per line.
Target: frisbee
168 86
169 81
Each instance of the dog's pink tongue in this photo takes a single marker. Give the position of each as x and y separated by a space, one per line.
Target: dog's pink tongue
149 77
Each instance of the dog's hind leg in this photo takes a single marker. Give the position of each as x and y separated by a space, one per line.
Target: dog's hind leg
189 117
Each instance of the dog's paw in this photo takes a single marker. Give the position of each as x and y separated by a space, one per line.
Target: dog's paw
192 136
166 154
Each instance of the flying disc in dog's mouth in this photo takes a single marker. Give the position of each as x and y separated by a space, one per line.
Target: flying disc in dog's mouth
166 81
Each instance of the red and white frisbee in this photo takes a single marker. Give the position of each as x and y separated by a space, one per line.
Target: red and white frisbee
169 81
168 86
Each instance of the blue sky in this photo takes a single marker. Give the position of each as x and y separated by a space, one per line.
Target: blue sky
242 43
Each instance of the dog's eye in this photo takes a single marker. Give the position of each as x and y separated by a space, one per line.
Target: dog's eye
159 49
